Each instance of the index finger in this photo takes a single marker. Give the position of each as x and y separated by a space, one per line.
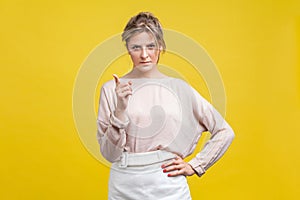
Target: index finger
177 159
117 80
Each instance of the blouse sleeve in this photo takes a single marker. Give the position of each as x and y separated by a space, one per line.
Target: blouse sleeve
221 134
111 132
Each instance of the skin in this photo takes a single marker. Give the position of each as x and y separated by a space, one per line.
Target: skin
144 53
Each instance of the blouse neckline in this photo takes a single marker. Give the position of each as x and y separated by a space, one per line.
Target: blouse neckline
145 78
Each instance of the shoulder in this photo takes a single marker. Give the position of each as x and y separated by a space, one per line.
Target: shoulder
179 82
109 85
182 85
187 89
107 89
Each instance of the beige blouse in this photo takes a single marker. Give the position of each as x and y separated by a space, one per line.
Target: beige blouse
163 113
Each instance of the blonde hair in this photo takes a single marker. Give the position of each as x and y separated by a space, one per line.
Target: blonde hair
144 22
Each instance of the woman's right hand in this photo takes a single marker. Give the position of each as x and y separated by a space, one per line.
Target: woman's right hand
123 91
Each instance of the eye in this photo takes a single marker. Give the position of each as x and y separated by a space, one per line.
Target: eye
151 46
135 48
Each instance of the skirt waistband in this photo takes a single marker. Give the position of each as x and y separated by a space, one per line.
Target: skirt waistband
147 158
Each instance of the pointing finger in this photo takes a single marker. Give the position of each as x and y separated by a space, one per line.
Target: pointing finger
117 80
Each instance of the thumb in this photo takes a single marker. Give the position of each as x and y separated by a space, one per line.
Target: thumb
117 80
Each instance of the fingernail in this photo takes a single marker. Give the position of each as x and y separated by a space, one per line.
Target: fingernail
164 170
169 175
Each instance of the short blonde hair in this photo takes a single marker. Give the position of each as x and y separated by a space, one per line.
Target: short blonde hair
144 22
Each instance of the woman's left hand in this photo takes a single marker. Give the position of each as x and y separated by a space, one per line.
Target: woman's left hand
178 167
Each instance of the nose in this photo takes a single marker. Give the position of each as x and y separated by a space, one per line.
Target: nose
144 53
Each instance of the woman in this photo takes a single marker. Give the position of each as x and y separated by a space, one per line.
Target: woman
149 122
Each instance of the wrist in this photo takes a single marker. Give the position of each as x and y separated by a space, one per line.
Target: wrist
120 114
193 171
119 111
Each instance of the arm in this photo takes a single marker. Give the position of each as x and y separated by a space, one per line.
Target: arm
111 131
112 120
221 135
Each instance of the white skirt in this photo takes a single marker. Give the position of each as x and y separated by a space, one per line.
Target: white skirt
139 176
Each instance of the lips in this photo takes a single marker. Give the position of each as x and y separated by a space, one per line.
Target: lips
148 62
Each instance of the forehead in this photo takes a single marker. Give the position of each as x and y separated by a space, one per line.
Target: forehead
141 38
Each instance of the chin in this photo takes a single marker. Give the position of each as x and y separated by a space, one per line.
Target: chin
145 67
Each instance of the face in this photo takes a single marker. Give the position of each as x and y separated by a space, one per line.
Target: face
144 51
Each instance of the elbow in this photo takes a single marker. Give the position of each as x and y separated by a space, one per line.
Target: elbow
105 155
110 154
230 135
109 150
109 158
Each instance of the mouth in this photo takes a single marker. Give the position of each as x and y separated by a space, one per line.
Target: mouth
145 62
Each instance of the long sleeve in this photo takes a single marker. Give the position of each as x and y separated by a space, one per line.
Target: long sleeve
111 132
221 134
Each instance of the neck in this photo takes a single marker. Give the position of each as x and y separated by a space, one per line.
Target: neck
136 73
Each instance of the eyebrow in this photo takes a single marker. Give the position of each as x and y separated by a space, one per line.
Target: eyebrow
132 45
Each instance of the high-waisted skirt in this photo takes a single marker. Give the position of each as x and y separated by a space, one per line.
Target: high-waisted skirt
139 176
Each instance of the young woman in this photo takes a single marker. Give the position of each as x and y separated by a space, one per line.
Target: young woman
149 122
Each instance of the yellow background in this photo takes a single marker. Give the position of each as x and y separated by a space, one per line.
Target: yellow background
255 44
